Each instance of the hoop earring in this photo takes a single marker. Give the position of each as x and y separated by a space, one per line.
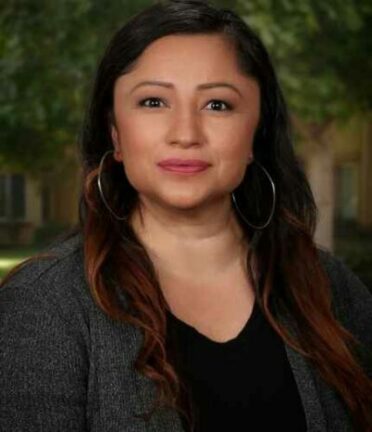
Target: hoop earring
101 189
259 227
232 195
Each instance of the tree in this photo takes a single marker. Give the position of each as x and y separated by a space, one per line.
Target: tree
49 52
321 51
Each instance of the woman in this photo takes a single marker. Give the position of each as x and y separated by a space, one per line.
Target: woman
192 295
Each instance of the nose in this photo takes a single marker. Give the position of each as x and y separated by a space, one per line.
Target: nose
185 127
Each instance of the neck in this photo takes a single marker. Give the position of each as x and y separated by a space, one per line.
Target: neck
203 240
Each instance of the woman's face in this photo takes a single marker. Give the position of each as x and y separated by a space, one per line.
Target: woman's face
177 119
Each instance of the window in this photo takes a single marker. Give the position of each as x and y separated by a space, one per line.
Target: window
12 197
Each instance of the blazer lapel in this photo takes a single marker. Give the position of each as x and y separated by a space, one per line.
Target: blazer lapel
303 375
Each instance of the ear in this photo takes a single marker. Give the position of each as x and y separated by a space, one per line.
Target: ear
116 143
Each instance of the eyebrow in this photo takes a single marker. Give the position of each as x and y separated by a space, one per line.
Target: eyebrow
205 86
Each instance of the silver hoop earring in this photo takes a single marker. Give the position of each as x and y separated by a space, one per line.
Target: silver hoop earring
101 189
260 227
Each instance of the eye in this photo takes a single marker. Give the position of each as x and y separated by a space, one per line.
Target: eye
155 100
218 102
151 105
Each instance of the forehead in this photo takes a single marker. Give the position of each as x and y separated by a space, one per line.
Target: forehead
197 57
188 61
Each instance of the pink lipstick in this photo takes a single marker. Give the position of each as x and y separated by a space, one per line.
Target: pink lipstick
184 165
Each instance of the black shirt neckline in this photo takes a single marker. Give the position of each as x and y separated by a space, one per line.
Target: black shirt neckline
192 333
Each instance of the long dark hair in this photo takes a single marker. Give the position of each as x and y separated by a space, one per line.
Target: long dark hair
116 261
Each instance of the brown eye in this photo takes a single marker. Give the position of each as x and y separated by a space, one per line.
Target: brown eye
152 104
217 102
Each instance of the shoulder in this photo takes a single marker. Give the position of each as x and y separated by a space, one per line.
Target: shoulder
45 343
60 258
351 299
53 285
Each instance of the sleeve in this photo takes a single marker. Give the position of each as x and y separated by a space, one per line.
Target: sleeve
43 365
352 302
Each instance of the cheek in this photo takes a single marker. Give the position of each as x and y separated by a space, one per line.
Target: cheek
236 147
136 167
231 165
234 154
236 136
136 140
136 146
137 125
135 154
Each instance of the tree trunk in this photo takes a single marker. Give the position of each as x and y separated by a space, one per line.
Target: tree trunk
365 205
320 171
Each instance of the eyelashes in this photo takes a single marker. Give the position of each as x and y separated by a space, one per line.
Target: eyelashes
228 106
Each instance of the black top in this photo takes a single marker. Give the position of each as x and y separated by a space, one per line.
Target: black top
243 384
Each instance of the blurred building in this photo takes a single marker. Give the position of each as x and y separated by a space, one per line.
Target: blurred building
339 170
30 204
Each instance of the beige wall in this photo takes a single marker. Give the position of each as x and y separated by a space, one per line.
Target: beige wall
352 143
64 204
344 151
33 202
347 138
365 202
65 192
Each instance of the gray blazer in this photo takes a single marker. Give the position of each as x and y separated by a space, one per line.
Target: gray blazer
66 366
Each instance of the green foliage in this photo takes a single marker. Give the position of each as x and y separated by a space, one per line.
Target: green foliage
321 51
49 51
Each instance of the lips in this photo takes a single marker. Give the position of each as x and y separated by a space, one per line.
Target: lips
195 163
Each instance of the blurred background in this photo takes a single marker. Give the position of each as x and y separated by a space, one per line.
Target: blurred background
322 51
